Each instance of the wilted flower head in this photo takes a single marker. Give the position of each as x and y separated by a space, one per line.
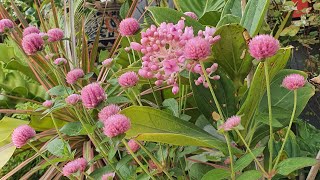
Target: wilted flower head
5 24
129 26
191 14
92 95
47 103
197 49
55 34
21 135
107 62
128 79
293 81
30 30
263 46
32 43
108 111
74 75
231 123
73 99
60 61
116 125
108 176
133 145
74 166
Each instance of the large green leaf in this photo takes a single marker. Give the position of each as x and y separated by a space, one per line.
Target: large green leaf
7 125
45 123
230 52
289 165
250 175
258 85
73 129
149 124
232 7
200 7
210 18
228 19
246 159
6 152
254 15
216 174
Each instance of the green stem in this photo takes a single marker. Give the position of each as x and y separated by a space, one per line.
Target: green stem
233 174
133 54
266 72
154 94
135 158
288 130
56 126
88 176
136 96
248 148
211 90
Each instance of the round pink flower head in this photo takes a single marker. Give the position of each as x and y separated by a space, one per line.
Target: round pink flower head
108 111
133 145
197 49
107 62
293 81
129 26
21 135
191 14
231 123
73 99
108 176
74 75
263 46
30 30
116 125
128 79
32 43
55 34
5 24
92 95
47 103
60 61
74 166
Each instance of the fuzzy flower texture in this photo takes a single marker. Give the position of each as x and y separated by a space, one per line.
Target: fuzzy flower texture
128 27
128 79
231 123
92 95
108 176
73 99
293 82
263 46
172 48
116 125
21 135
108 111
5 24
74 75
74 166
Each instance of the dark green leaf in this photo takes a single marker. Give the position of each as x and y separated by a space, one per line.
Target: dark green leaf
199 7
232 7
216 174
210 18
289 165
73 129
246 159
250 175
228 19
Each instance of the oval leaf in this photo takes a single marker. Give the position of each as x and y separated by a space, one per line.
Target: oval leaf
289 165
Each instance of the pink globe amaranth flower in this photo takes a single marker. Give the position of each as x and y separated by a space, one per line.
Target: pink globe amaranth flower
60 61
133 145
231 123
74 75
108 176
74 166
73 99
47 103
152 165
107 62
30 30
293 82
5 24
92 95
55 34
191 14
128 79
129 26
263 46
116 125
21 135
32 43
197 49
108 111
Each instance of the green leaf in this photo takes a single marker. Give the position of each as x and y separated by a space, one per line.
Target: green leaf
172 104
246 159
232 7
60 91
118 100
150 124
40 124
230 52
7 125
216 174
98 173
250 175
210 18
228 19
88 75
169 15
125 8
254 15
290 31
289 165
7 53
198 170
56 147
199 7
6 152
73 129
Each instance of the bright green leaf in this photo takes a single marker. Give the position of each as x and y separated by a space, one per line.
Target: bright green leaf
216 174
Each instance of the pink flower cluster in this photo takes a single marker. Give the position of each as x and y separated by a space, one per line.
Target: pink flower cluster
128 79
47 103
55 34
74 75
30 30
107 62
74 166
73 99
231 123
60 61
5 24
21 135
108 111
263 46
172 48
293 81
128 27
92 95
192 15
133 145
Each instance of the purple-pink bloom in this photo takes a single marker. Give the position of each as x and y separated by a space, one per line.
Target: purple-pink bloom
32 43
129 26
107 62
30 30
108 111
133 145
263 46
47 103
5 24
55 34
231 123
60 61
293 81
92 95
21 135
108 176
74 75
74 166
191 14
197 49
73 99
116 125
128 79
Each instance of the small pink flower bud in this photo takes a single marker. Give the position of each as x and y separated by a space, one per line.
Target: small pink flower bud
293 81
74 75
73 99
5 24
47 103
60 61
77 165
133 145
231 123
55 34
192 15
